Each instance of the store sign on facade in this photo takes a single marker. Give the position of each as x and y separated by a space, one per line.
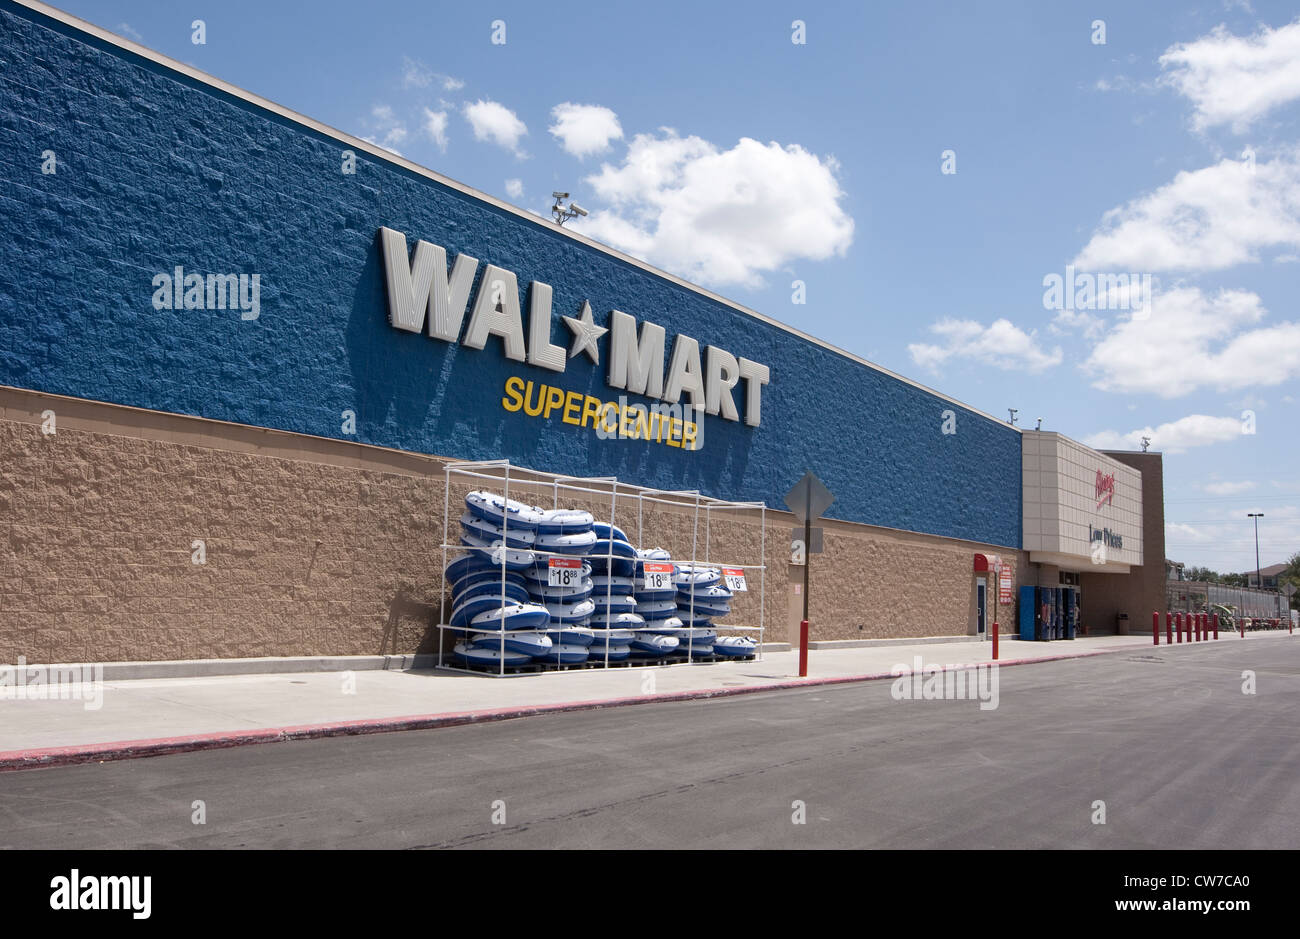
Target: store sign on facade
1105 488
425 296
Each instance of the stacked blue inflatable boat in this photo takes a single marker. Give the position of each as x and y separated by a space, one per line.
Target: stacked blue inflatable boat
701 598
512 612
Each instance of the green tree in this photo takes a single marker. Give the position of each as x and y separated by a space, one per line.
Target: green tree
1291 575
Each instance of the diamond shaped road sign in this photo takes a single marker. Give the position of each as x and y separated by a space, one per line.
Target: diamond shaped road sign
809 498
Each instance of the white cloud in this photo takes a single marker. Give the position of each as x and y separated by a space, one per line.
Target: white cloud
584 129
1194 430
496 123
1190 340
515 188
1235 79
1228 488
387 130
418 75
1078 323
1180 532
720 217
435 125
1002 344
415 74
1205 219
1118 83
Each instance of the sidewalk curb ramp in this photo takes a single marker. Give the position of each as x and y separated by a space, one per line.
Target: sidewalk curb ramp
162 746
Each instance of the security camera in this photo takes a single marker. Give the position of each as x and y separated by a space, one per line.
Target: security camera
574 207
560 195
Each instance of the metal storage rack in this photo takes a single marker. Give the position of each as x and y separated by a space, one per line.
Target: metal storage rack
532 487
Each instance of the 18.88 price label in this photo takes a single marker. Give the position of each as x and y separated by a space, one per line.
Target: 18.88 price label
563 572
734 578
658 576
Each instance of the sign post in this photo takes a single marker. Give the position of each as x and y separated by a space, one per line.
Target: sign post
807 500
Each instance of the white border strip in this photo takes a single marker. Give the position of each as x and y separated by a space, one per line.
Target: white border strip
378 152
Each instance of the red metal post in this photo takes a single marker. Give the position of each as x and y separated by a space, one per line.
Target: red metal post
1178 623
803 648
1241 624
1169 628
995 640
1155 627
1214 618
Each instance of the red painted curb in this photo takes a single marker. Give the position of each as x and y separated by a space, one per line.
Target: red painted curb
161 746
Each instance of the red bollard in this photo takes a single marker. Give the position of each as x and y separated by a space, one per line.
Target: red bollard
803 648
1169 628
1241 624
1214 618
1178 622
1197 620
995 640
1155 627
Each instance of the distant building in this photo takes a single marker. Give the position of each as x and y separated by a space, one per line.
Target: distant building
1270 575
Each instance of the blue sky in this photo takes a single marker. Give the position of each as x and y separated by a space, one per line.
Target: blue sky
701 138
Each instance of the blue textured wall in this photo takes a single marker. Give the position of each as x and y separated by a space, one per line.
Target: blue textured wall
156 170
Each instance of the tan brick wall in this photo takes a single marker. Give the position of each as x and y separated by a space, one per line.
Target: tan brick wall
318 547
876 584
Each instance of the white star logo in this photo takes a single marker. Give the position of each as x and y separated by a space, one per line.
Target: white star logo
585 333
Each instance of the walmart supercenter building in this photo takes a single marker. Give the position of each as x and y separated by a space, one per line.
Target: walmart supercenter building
232 371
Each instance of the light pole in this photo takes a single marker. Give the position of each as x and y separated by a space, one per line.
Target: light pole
1259 581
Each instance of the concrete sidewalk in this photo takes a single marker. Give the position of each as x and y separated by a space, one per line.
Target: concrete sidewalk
151 716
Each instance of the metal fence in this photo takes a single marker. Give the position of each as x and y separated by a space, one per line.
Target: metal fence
1191 596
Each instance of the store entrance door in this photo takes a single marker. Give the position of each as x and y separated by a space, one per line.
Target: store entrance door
981 605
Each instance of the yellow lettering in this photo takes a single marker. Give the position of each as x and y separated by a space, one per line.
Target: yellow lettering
571 402
528 393
514 386
554 398
590 409
625 422
609 422
674 430
688 435
641 429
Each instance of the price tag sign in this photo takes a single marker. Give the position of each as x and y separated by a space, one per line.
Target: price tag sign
658 576
563 572
734 578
